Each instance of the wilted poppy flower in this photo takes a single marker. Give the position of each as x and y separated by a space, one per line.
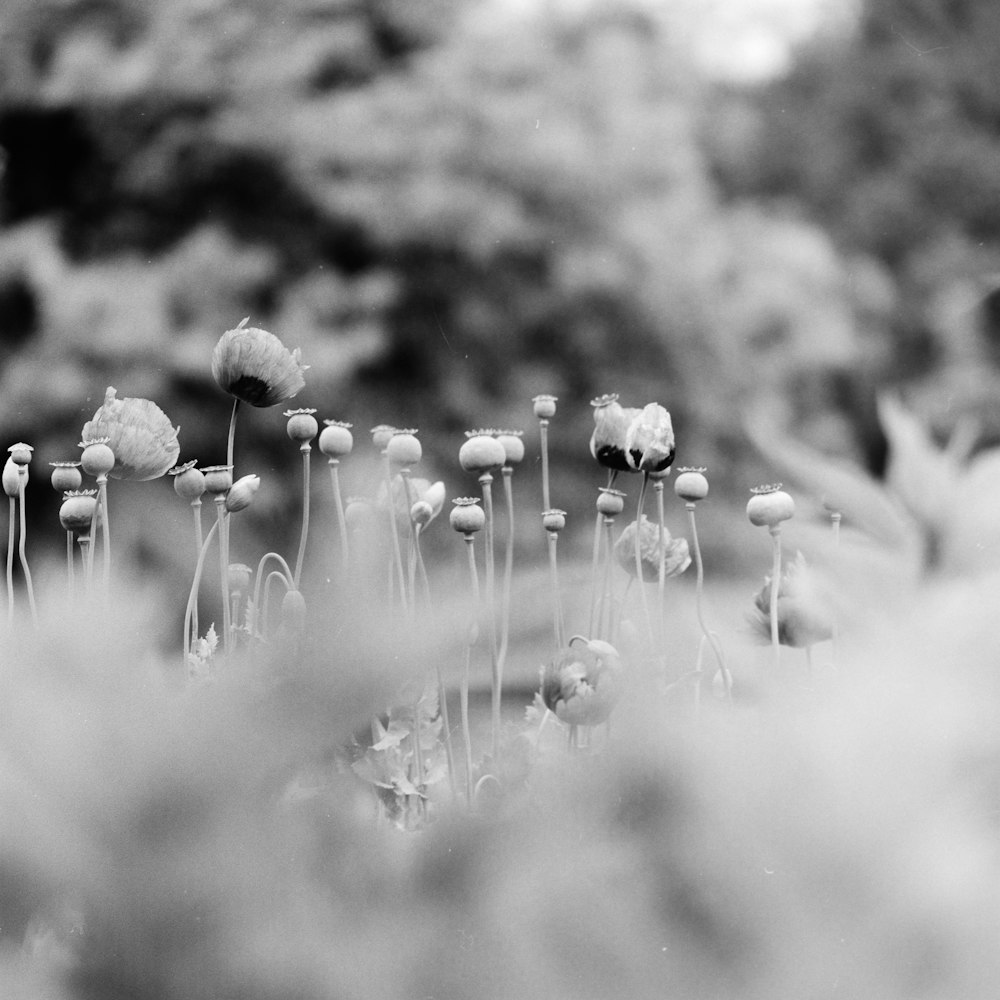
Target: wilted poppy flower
803 618
139 433
649 440
583 683
611 424
676 557
255 367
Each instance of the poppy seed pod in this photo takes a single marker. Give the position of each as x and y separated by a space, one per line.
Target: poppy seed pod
301 426
189 482
769 506
649 440
66 476
554 520
610 502
336 440
481 452
691 485
544 406
256 367
11 478
77 511
97 459
403 448
513 446
139 433
239 577
20 453
241 493
381 435
218 478
467 516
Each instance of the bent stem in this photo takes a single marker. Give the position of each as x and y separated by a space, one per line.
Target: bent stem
220 523
306 455
22 554
232 434
258 582
698 603
193 595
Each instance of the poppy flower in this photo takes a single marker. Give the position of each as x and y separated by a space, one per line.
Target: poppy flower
256 367
139 433
611 424
583 683
676 556
803 618
649 440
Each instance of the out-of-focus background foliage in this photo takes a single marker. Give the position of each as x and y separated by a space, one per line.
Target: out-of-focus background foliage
454 205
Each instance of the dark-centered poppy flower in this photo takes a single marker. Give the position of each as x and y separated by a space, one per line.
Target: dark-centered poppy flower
611 424
649 440
583 683
256 367
139 433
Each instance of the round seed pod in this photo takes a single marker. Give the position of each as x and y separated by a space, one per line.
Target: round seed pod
610 502
403 449
691 485
544 406
336 440
77 511
189 482
481 453
97 458
467 516
66 476
20 453
554 520
302 425
769 506
218 478
513 446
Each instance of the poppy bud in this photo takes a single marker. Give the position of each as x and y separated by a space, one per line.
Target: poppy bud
421 513
241 493
336 440
11 478
467 516
66 476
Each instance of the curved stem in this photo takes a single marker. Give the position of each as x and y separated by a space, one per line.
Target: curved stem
698 599
220 512
21 551
232 434
264 559
193 595
306 456
275 574
11 522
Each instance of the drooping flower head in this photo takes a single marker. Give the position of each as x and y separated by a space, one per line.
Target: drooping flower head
256 367
676 556
803 615
139 433
583 683
649 440
611 424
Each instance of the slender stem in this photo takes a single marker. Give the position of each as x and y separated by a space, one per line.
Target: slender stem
275 574
474 628
775 585
338 503
86 560
607 607
698 599
486 481
70 576
418 559
661 569
594 568
543 429
508 572
102 493
638 559
557 618
397 555
306 456
220 511
193 595
443 705
232 434
198 539
834 624
11 522
22 473
411 555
